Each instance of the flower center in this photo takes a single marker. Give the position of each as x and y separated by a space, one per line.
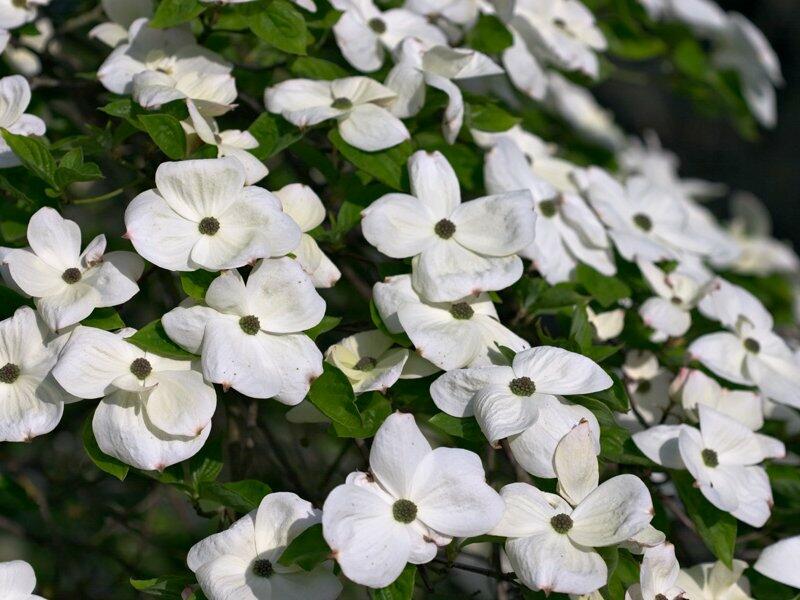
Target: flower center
710 458
643 387
661 597
250 324
522 386
752 346
404 511
71 275
561 523
263 568
547 208
9 373
676 301
461 311
366 363
643 222
444 229
342 103
208 226
141 368
377 25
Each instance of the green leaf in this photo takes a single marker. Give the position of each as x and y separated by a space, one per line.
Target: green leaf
153 338
466 428
195 283
605 289
34 155
169 587
489 35
242 496
333 394
616 397
373 408
104 318
207 464
10 301
386 166
174 12
281 25
13 497
401 339
317 68
401 589
323 326
716 528
103 461
307 550
489 117
167 133
270 139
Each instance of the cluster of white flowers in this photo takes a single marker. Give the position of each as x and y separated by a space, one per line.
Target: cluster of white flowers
249 332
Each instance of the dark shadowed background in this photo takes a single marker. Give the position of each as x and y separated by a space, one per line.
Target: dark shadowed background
711 148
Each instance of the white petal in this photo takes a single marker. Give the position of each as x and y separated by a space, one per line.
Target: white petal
254 169
409 85
524 70
72 304
200 188
358 43
723 353
55 240
501 413
454 391
733 442
397 451
29 407
446 342
620 508
660 444
398 225
371 127
496 225
781 561
575 464
182 403
15 95
298 361
320 268
659 570
320 583
302 204
665 317
389 295
557 371
528 511
32 274
776 378
229 576
450 489
454 111
434 182
186 326
238 540
17 579
755 497
281 517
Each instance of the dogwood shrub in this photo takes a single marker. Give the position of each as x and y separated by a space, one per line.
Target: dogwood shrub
337 298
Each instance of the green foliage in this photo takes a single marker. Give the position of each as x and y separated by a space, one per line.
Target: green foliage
387 166
401 589
153 338
489 35
103 461
195 283
104 318
174 12
167 133
242 496
280 24
307 550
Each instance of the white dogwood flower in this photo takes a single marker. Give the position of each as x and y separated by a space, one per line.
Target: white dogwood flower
31 402
363 33
67 284
678 291
15 13
242 562
251 335
749 353
722 457
419 65
458 250
560 32
552 538
648 385
122 14
303 205
371 363
201 215
15 95
413 501
781 561
231 142
23 57
658 576
451 335
645 222
158 66
693 387
523 67
715 581
17 580
505 399
607 324
360 106
743 48
95 363
567 231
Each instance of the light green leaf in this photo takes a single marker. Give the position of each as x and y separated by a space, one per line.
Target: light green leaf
317 68
153 338
167 133
605 289
195 283
387 166
242 496
466 428
401 589
489 117
282 25
174 12
34 155
307 550
489 35
323 326
104 318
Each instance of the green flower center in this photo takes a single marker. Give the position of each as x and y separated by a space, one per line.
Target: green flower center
752 346
71 275
643 222
710 458
522 386
342 103
141 368
377 25
444 229
404 511
9 373
461 311
250 324
365 363
208 226
561 523
643 387
263 568
548 208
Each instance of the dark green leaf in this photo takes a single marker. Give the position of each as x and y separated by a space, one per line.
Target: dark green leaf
13 497
466 428
489 117
195 283
605 289
206 465
167 133
333 394
103 461
373 408
307 550
10 301
242 496
489 35
34 155
326 324
387 166
282 25
169 587
317 68
270 138
153 338
401 589
716 528
104 318
174 12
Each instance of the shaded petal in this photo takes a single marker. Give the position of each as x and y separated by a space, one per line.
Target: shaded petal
496 225
528 511
454 391
298 361
181 404
371 127
281 517
501 413
237 540
660 444
398 225
186 326
438 337
723 353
